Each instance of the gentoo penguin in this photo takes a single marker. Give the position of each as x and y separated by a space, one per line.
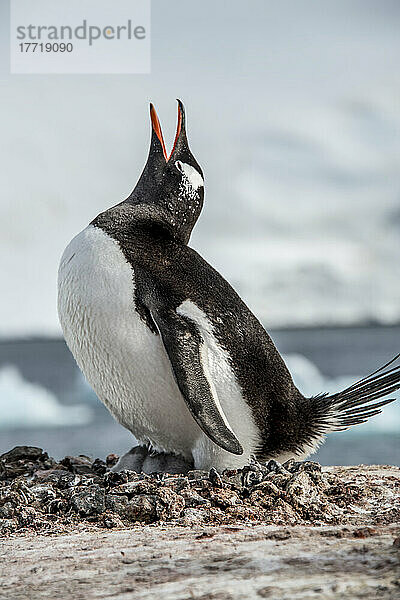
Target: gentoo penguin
169 346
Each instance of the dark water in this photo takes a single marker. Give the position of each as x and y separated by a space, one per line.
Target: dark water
336 352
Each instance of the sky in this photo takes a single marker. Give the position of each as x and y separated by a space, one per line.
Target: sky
293 114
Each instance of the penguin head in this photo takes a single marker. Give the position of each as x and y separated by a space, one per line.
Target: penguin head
170 191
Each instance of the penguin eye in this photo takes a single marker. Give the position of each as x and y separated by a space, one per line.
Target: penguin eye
190 173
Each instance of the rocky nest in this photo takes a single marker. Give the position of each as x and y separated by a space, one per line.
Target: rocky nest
39 494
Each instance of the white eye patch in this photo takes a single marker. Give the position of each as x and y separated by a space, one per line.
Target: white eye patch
193 176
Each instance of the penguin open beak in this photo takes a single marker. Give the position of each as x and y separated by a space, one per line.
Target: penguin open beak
180 128
155 123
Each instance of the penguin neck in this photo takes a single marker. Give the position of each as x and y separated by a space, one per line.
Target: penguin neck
130 219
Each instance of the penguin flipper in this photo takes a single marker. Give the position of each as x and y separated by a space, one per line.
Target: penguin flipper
186 350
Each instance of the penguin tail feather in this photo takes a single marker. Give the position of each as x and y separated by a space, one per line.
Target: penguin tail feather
355 404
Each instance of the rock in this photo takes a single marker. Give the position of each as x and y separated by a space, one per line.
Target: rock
224 497
307 465
282 513
170 505
9 495
177 483
23 460
192 516
241 512
141 486
37 493
31 453
99 466
193 499
111 460
50 475
265 493
68 480
89 501
273 466
254 473
77 464
233 477
7 510
111 521
200 484
112 479
301 487
215 478
142 508
43 493
59 506
26 516
117 504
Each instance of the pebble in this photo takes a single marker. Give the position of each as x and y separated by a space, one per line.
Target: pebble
37 493
89 501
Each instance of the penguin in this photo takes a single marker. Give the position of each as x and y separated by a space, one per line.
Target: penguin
169 346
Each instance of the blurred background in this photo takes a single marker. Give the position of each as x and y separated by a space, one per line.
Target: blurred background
294 115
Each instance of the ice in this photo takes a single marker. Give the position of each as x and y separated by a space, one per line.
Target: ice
27 405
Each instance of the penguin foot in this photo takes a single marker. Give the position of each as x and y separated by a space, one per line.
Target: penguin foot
132 460
160 462
142 459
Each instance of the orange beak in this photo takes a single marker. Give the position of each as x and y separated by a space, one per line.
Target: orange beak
155 122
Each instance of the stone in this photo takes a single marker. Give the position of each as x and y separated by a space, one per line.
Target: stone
77 464
301 487
26 516
215 478
7 510
50 475
117 504
43 493
31 453
142 508
111 521
111 460
193 499
68 480
170 504
224 497
23 460
89 501
192 516
99 466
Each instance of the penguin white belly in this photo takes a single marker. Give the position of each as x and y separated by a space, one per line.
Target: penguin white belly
124 362
127 365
